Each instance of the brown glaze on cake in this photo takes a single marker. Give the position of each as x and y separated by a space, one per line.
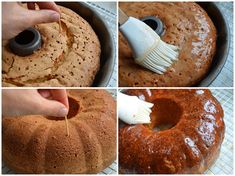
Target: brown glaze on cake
70 58
190 143
187 26
38 144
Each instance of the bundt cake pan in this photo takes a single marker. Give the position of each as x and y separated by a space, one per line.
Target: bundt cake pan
222 44
101 29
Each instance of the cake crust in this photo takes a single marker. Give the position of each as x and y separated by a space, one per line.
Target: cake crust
187 26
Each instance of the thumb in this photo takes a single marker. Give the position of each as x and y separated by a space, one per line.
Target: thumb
42 16
52 108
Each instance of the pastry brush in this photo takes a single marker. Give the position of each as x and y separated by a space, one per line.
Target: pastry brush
148 49
132 110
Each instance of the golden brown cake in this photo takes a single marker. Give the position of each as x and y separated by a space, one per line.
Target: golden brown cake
70 58
184 137
187 26
38 144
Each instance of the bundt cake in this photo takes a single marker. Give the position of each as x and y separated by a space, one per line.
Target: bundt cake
184 137
38 144
70 58
187 26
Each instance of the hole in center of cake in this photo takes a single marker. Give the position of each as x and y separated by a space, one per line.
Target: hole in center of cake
73 110
25 37
165 114
151 23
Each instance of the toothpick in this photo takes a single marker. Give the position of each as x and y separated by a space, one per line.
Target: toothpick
67 125
60 27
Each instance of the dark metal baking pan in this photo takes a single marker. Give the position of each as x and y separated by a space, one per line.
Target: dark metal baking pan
222 44
107 60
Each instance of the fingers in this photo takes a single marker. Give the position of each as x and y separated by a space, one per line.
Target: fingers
34 102
58 95
51 108
44 93
42 16
61 96
31 5
49 12
44 5
16 18
53 102
48 5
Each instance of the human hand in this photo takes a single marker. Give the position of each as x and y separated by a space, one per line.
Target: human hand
15 18
50 102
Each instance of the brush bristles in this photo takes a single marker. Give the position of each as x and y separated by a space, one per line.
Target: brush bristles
144 111
159 57
133 110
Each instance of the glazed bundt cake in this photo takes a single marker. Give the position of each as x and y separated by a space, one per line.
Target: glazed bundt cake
38 144
184 137
67 58
187 26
